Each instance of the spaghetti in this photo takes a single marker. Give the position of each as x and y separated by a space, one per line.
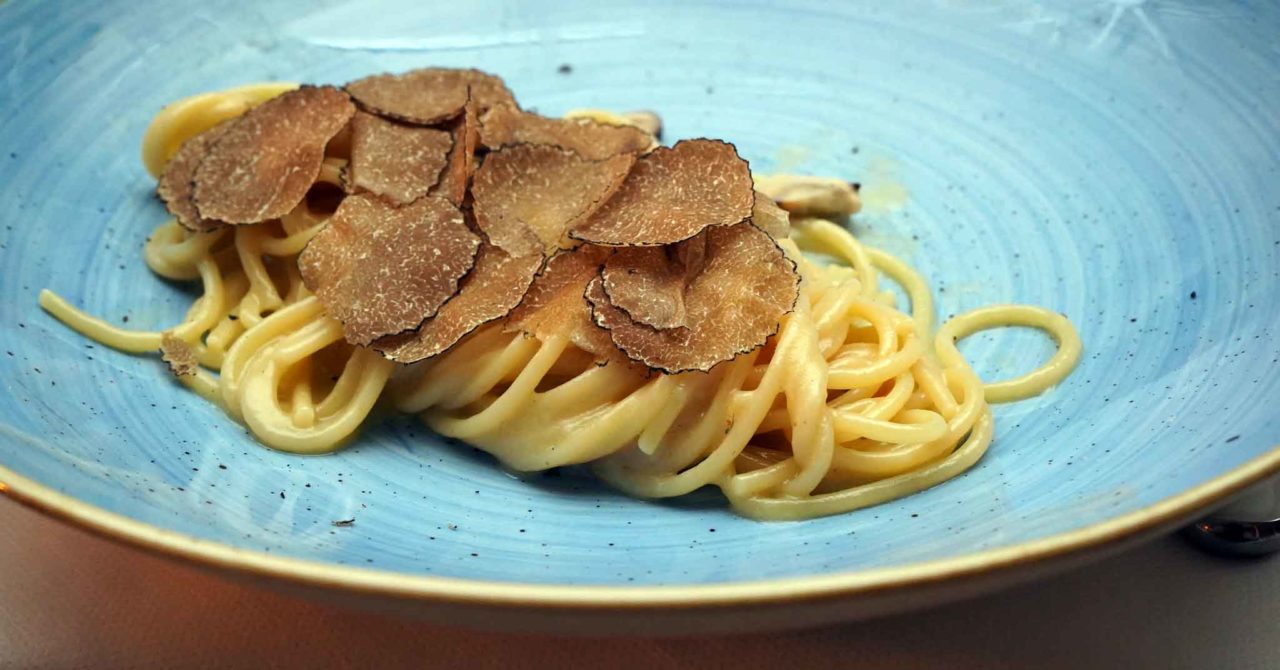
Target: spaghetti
854 402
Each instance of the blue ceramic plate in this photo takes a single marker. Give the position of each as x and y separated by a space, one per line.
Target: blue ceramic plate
1116 160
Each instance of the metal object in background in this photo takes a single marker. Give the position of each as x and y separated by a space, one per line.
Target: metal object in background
1247 526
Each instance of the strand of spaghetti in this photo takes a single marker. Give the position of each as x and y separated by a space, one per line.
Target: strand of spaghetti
174 252
228 329
913 425
831 316
122 339
297 220
292 243
756 457
346 388
756 482
882 407
865 495
845 374
747 411
882 464
206 311
565 440
203 315
805 389
202 384
466 373
672 470
297 288
651 437
248 243
331 171
778 418
934 387
884 320
913 283
1037 381
571 418
234 366
698 428
302 411
260 393
546 435
515 397
820 235
589 388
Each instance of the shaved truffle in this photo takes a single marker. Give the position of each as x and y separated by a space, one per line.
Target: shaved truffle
179 355
543 189
266 160
429 95
554 305
493 288
397 161
506 125
648 283
672 195
381 269
175 187
732 306
770 218
456 178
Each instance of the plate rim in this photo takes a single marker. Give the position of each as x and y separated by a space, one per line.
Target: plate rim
518 595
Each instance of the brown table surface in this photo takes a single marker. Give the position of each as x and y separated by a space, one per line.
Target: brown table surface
69 599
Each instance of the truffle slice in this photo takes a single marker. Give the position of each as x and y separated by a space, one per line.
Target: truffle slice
732 306
648 283
175 185
673 194
489 292
543 189
770 218
265 161
382 269
178 355
430 95
455 180
397 161
505 125
555 305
